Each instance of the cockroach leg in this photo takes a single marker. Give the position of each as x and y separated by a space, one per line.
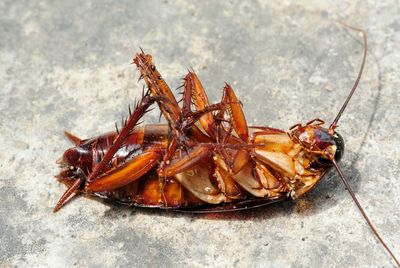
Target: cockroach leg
187 94
158 86
316 122
236 113
188 120
239 124
199 98
295 126
186 162
127 172
140 109
180 137
193 91
172 147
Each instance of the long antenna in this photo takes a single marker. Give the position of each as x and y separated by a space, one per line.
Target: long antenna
363 213
334 123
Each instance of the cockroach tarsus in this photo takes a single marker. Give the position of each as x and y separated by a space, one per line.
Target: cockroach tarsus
206 158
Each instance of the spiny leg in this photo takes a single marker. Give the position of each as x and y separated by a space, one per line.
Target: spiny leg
236 114
186 162
237 122
140 109
127 172
158 87
197 95
181 123
193 93
182 139
169 107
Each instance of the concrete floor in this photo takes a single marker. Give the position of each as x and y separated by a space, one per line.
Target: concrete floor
66 65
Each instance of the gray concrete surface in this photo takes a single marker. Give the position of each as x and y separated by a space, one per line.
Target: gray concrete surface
66 65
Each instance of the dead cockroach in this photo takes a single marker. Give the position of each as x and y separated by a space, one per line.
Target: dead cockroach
205 159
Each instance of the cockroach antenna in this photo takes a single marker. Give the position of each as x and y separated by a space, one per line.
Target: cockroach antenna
332 128
334 123
353 196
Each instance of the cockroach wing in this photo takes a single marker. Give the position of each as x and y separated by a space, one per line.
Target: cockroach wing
280 162
244 178
197 180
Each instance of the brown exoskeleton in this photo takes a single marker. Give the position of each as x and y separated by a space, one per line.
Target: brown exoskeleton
206 159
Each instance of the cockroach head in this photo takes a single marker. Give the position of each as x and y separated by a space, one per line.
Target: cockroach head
323 144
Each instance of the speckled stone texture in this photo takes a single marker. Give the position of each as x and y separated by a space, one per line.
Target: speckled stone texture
66 65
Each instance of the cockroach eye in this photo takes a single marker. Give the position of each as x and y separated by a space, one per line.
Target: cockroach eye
339 142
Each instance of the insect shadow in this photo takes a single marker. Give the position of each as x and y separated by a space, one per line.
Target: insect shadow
326 195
